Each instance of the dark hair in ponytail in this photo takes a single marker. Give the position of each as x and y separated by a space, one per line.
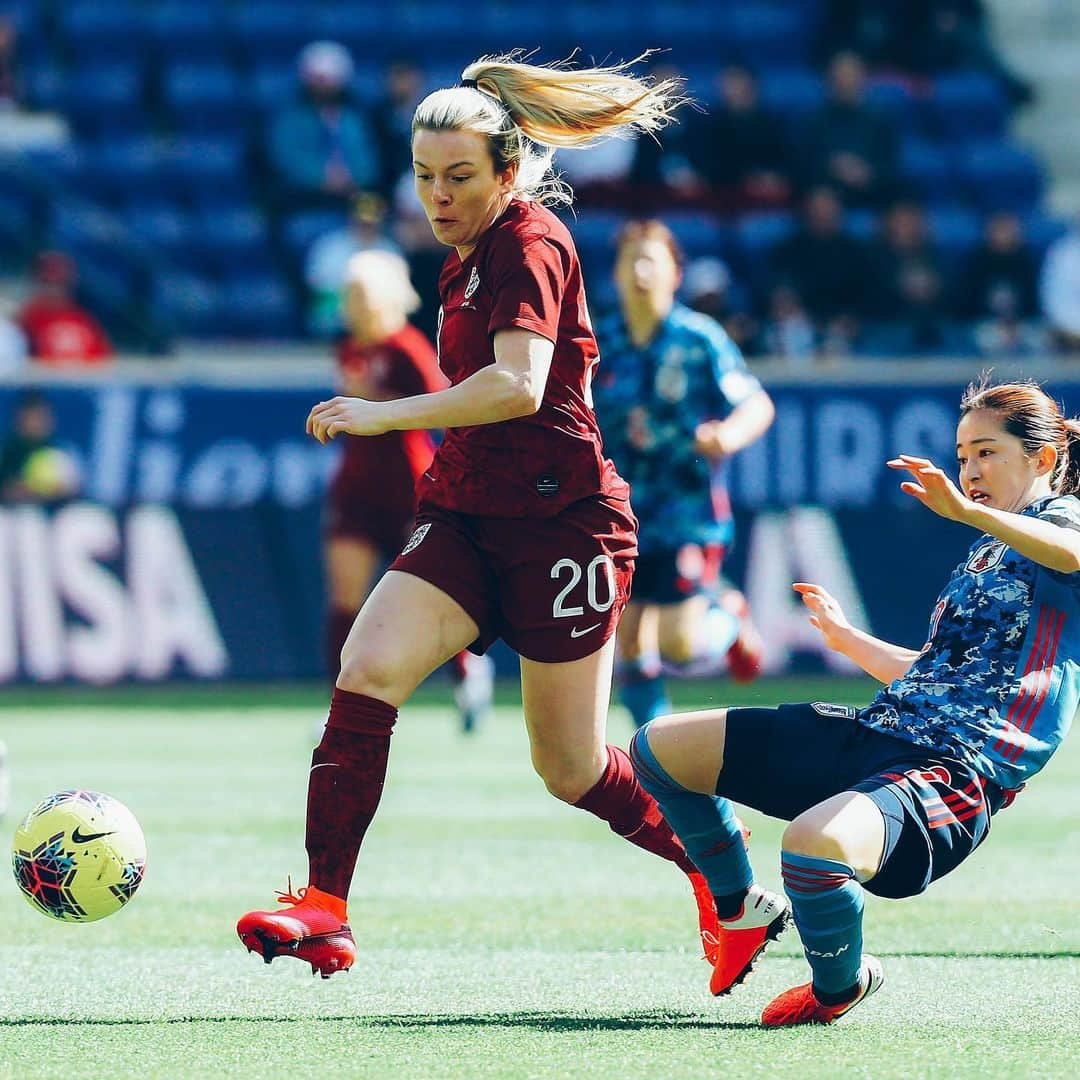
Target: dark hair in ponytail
1027 411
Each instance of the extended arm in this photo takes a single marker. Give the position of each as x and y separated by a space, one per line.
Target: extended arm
746 424
882 660
511 387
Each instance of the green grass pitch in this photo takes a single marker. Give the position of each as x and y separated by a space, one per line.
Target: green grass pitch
502 934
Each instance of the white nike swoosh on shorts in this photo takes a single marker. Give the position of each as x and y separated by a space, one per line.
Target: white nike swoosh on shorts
575 632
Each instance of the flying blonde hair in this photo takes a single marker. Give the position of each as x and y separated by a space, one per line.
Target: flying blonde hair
528 110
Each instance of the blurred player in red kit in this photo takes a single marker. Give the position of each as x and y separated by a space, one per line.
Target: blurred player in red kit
372 498
524 528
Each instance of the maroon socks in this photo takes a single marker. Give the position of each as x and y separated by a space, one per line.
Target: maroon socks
348 769
631 811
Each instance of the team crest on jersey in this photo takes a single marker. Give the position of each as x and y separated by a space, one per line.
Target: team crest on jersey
416 539
985 557
473 283
827 708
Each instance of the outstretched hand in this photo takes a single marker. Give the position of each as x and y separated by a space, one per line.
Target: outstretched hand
825 613
932 487
347 416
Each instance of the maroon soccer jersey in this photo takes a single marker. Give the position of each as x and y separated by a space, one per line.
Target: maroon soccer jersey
524 273
381 470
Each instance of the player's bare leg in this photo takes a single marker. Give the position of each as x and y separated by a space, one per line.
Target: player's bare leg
383 662
566 716
827 852
351 565
678 759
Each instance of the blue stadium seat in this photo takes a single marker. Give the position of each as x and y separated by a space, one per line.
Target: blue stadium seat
757 234
259 305
234 238
101 30
116 167
300 230
861 224
516 26
202 167
968 105
362 28
956 230
768 34
163 226
204 97
698 233
191 302
105 100
895 100
83 229
595 231
927 170
264 30
181 29
792 93
1000 176
270 86
46 87
1041 230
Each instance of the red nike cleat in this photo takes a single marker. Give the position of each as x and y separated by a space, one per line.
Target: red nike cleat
799 1006
708 923
747 651
313 928
741 941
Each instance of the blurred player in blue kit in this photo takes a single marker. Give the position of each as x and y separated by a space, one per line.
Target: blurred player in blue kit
675 400
892 796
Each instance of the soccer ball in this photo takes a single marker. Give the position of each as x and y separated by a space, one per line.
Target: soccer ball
79 856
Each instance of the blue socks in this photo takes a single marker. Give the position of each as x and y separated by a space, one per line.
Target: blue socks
643 691
705 824
827 903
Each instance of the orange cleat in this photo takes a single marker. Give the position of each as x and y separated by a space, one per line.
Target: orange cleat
708 923
313 929
799 1006
741 941
747 651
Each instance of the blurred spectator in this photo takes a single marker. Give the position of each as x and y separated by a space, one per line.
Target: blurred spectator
849 144
1059 289
1001 274
707 287
923 37
322 148
59 329
9 74
738 150
32 467
911 295
13 346
392 121
825 267
328 256
600 174
789 331
660 172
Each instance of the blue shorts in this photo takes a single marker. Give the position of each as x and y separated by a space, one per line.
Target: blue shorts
672 575
785 760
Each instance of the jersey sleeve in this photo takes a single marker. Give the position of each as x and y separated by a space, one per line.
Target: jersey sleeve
1065 513
528 281
734 381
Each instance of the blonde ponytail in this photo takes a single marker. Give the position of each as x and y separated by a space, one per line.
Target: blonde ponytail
527 110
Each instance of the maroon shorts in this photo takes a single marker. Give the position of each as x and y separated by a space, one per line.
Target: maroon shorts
552 588
384 526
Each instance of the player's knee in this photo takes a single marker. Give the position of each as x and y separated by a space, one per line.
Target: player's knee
365 672
679 648
814 836
568 781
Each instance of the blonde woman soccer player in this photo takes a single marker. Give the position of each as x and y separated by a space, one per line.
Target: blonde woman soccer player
524 528
895 795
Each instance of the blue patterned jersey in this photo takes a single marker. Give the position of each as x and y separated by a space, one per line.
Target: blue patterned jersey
649 400
997 683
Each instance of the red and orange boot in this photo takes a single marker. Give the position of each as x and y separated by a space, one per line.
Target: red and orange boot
311 928
741 941
708 923
799 1006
